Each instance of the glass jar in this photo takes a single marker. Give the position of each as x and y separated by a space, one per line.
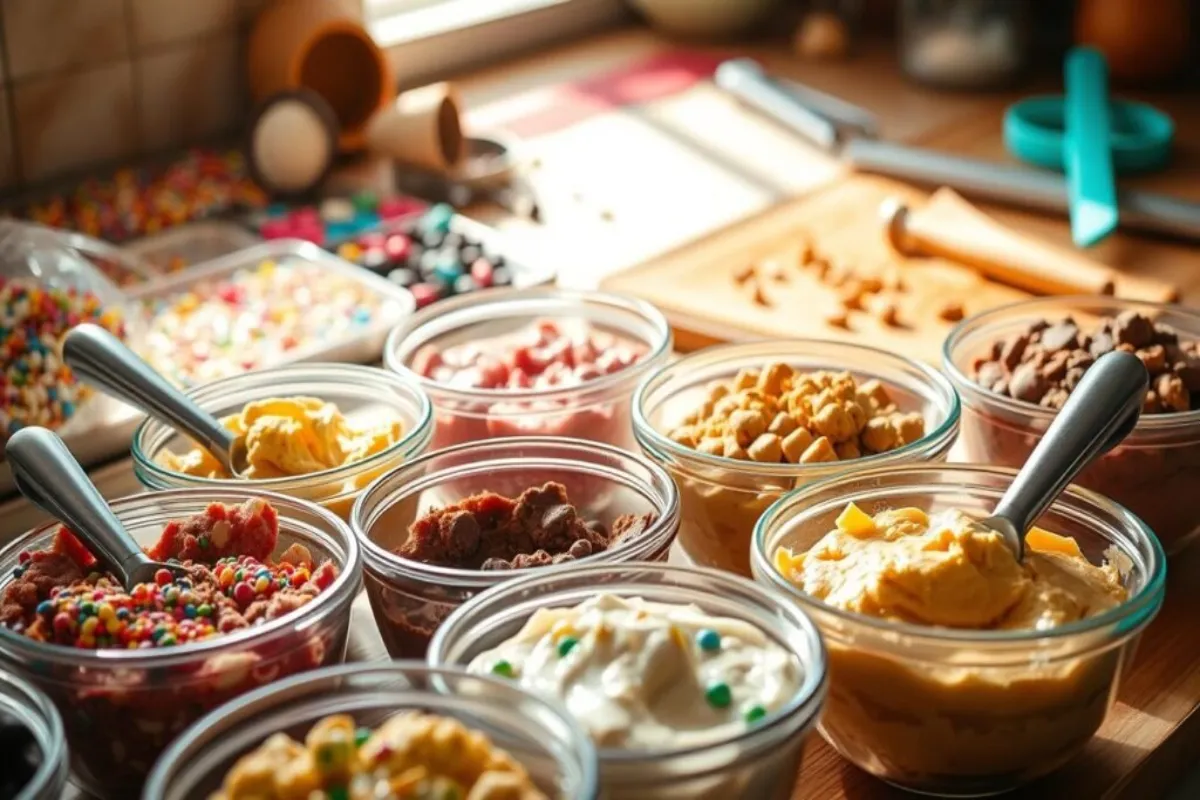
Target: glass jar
758 762
963 713
721 498
120 708
27 705
410 599
1152 472
597 409
541 736
357 391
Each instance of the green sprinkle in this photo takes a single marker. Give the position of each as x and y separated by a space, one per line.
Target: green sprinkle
338 793
566 646
718 695
204 610
361 735
709 640
502 667
754 714
203 542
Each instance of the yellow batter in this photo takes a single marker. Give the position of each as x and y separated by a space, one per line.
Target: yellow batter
292 436
950 571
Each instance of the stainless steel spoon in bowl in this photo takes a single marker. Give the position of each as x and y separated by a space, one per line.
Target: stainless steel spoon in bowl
99 358
1101 411
50 477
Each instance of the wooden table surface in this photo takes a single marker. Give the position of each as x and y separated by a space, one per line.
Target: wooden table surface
606 210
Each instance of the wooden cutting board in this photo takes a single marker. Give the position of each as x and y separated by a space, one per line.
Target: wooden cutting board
704 291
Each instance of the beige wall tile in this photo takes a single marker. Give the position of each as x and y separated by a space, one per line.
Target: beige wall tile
49 35
8 163
191 92
72 121
158 22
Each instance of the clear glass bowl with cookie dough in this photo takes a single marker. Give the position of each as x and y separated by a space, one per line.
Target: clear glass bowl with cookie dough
531 362
1013 367
318 432
359 730
956 670
710 683
739 425
443 528
126 675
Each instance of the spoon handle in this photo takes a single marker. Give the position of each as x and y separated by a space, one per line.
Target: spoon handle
99 358
49 476
1103 410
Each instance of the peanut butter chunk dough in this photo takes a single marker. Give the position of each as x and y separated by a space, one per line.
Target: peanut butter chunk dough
411 756
947 570
292 436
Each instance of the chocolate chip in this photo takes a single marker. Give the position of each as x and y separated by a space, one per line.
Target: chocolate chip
582 548
1165 334
1028 384
1134 329
461 534
1102 342
1014 348
1041 325
1188 370
1063 336
1055 368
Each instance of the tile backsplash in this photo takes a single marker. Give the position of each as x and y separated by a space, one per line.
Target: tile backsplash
92 82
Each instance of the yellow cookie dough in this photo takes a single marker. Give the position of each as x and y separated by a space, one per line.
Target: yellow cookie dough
955 715
950 571
411 756
291 436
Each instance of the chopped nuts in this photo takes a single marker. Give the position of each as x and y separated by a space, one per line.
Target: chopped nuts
838 319
777 415
952 312
744 274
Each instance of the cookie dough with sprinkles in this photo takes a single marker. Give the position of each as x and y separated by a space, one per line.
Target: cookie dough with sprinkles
36 387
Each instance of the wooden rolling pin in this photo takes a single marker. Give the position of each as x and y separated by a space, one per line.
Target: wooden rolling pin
950 227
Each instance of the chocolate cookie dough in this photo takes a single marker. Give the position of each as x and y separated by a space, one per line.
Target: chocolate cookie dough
1045 362
488 531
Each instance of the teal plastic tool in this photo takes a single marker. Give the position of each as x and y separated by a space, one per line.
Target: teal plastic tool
1087 154
1138 139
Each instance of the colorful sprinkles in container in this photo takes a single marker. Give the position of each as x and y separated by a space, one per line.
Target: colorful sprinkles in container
256 317
36 388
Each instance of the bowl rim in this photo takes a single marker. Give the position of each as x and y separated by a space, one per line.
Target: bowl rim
13 644
467 305
809 697
414 439
650 438
969 389
1142 606
665 522
156 780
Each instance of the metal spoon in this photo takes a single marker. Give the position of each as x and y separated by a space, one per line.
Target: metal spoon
49 476
99 358
1101 411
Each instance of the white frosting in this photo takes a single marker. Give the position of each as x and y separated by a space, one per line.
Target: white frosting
638 675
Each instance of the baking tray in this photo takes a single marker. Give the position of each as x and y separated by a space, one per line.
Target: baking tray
103 428
193 242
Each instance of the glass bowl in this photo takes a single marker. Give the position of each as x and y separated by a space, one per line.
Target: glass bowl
963 713
410 598
33 709
120 708
721 498
357 391
551 746
597 409
759 762
1149 473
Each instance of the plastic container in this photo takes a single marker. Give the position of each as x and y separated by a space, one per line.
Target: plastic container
955 712
346 320
551 746
597 409
1153 472
721 498
357 392
122 707
29 706
191 244
410 598
759 762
